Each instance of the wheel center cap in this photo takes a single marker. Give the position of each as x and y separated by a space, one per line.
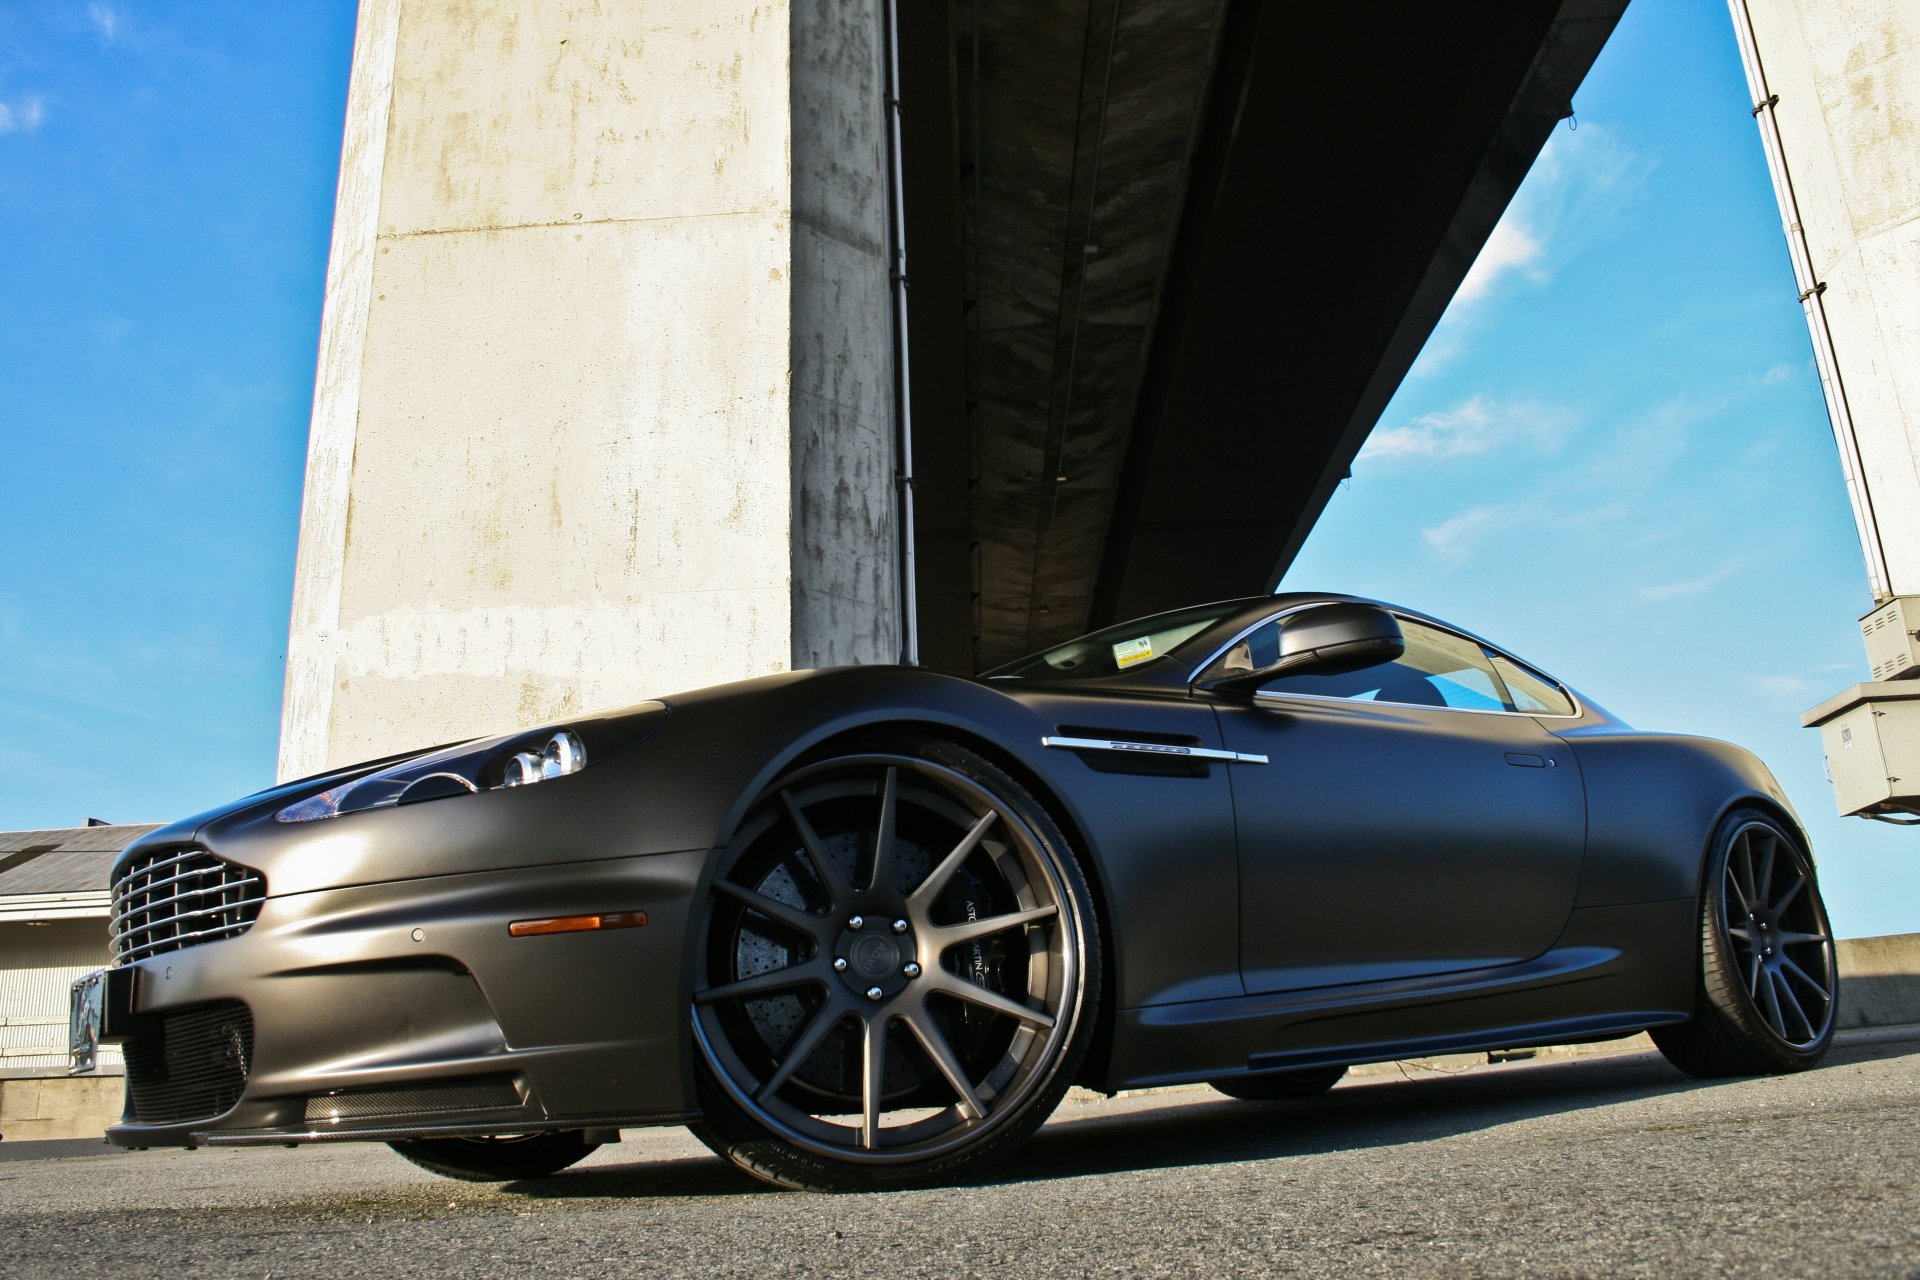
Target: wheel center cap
874 956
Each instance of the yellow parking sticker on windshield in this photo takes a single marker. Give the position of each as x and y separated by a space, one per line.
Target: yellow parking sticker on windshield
1128 652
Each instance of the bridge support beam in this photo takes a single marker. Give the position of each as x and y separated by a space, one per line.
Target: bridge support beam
604 399
1833 85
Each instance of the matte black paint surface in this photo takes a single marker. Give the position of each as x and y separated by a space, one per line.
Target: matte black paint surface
1389 883
1388 842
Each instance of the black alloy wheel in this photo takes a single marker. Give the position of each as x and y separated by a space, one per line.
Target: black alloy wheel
1278 1086
506 1158
1769 987
895 972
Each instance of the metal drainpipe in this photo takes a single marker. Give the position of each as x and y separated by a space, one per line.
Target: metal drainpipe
1811 288
908 592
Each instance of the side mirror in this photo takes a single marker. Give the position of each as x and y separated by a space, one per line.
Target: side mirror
1325 639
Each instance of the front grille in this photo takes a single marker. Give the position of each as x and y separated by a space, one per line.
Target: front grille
481 1093
174 898
195 1069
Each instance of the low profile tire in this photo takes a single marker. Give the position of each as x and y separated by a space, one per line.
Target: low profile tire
1768 986
503 1159
896 969
1278 1086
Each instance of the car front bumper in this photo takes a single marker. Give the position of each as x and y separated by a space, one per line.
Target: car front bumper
406 1009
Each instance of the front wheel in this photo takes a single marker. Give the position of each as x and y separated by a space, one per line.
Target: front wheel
508 1158
1768 986
896 968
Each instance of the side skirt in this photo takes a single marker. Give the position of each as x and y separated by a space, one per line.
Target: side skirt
451 1129
1615 971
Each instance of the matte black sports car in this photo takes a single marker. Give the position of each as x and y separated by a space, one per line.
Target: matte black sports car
862 927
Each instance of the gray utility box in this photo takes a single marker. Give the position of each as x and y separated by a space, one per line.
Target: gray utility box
1871 734
1889 631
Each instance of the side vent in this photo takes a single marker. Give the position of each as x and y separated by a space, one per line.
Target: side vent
1108 749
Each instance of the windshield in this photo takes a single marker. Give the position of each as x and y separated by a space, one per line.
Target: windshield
1117 648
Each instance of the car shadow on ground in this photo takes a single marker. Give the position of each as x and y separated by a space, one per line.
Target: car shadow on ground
1206 1128
1198 1128
1383 1111
691 1177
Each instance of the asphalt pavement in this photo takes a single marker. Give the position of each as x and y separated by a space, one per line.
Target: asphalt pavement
1609 1166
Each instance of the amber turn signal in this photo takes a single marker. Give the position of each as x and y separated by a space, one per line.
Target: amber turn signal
578 924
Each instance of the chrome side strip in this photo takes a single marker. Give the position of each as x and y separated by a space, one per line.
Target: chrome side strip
1151 748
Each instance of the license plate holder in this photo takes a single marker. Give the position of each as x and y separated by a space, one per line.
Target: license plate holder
100 1008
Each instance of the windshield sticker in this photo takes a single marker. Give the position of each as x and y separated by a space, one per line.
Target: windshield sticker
1128 652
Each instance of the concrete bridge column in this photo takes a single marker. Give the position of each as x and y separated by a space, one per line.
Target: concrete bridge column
603 407
1835 84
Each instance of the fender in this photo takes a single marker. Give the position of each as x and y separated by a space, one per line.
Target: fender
1653 801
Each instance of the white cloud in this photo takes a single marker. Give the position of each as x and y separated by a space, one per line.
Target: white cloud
1784 686
1476 425
105 20
1511 247
1455 540
1574 197
23 115
1695 586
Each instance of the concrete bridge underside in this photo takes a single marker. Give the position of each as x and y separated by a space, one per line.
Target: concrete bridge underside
606 403
1169 260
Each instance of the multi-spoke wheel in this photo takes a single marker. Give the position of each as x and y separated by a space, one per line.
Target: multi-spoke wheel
1768 985
894 975
1276 1086
507 1158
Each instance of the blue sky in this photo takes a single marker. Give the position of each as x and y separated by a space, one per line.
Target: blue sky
1612 458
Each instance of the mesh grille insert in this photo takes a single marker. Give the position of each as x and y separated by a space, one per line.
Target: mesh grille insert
174 898
195 1069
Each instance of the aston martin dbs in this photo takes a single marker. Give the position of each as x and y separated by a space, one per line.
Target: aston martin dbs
863 927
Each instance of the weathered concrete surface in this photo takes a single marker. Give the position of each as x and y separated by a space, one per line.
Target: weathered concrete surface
1607 1167
60 1107
1847 74
1880 980
606 279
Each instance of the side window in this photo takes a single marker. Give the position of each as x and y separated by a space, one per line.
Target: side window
1437 670
1530 692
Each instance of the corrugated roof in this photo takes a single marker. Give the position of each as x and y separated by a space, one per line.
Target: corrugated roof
65 860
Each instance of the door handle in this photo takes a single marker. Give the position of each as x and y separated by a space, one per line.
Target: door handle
1524 760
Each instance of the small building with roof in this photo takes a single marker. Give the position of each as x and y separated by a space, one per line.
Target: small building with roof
54 903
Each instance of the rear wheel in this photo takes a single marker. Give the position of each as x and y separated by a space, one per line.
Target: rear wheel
497 1159
1276 1086
895 973
1768 984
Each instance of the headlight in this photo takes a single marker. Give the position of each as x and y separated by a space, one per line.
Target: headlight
518 760
563 754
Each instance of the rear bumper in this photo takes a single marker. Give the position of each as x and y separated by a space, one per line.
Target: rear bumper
405 1009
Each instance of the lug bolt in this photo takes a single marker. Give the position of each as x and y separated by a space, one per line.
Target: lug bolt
839 964
874 993
899 926
1763 924
857 923
912 970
